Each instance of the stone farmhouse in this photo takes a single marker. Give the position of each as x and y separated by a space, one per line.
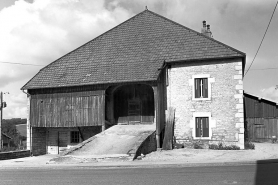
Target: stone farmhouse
131 75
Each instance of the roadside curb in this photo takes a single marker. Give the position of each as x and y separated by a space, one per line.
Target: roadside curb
135 164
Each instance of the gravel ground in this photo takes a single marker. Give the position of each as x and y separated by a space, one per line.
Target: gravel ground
188 155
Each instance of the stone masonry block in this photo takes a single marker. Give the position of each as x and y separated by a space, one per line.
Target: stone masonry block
237 77
238 67
238 96
239 106
239 87
239 115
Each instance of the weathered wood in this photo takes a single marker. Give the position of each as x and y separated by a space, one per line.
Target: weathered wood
67 109
262 129
169 130
157 118
259 108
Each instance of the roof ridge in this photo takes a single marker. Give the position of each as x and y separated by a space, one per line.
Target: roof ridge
200 34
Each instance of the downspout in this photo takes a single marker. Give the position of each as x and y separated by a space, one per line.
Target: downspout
30 128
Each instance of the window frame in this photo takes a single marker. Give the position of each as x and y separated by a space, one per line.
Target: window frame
202 124
212 124
209 81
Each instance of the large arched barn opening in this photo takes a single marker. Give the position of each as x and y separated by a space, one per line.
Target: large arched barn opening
134 104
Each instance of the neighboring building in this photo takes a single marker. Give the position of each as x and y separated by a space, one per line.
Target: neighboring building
261 118
6 140
132 74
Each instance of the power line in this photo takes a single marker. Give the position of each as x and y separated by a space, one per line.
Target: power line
21 63
262 39
265 68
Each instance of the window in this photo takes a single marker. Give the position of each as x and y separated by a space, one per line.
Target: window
74 137
202 126
201 87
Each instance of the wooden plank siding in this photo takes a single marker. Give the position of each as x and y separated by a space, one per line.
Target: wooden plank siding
255 108
260 129
67 109
261 118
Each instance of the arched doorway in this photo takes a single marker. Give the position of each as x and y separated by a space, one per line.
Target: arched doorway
134 104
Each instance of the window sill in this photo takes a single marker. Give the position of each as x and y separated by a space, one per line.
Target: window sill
201 99
201 138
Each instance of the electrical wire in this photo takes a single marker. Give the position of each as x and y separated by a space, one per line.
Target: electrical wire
262 39
21 64
265 68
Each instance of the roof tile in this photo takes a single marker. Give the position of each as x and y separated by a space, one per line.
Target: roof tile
131 51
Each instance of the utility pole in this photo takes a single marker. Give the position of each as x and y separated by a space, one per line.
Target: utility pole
2 106
1 114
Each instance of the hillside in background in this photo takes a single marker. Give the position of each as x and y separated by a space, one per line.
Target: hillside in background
14 121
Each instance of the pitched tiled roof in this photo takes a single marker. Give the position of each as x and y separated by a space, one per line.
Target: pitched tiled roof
131 51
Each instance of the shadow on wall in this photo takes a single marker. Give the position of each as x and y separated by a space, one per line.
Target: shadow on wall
267 172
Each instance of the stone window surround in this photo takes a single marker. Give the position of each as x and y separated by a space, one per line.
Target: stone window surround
191 83
212 124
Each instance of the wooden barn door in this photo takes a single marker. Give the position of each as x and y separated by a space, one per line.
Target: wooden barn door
62 141
52 144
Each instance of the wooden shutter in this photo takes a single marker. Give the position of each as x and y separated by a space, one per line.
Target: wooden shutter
205 87
205 125
198 127
197 88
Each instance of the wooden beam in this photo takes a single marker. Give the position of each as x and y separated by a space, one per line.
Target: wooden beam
157 116
103 111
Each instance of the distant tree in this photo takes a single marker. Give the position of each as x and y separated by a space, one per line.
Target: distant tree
9 128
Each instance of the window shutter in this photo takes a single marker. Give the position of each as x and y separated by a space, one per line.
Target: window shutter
205 88
197 88
205 127
198 127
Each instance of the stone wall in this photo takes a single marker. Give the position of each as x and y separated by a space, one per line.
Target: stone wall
225 106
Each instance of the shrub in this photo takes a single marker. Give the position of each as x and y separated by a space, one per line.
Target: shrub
249 145
213 146
221 146
197 145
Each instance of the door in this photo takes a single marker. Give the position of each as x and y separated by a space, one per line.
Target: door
62 141
52 144
57 141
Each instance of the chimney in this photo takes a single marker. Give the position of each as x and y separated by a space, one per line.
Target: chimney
206 29
209 34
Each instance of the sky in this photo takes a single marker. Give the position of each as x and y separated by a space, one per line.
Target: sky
34 33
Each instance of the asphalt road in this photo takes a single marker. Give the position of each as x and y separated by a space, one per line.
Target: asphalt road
261 174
